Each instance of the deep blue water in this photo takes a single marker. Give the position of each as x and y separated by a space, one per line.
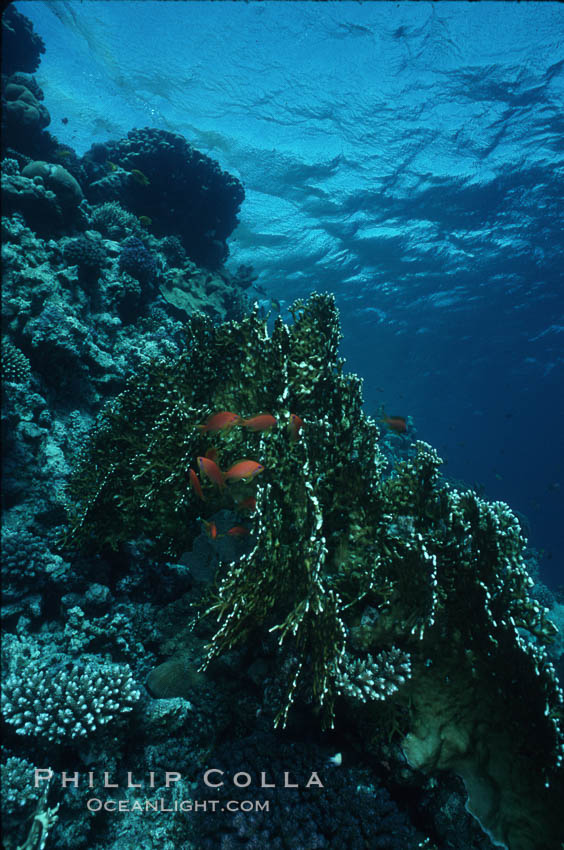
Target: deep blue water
406 156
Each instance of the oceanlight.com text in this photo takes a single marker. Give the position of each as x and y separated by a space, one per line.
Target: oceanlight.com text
95 804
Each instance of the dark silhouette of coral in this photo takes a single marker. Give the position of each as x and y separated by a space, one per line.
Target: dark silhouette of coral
21 46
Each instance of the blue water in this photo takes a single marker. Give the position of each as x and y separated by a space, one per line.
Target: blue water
408 157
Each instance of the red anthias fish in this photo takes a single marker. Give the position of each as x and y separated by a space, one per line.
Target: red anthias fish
211 529
249 504
195 484
396 423
244 470
211 470
294 426
262 422
212 453
220 421
238 531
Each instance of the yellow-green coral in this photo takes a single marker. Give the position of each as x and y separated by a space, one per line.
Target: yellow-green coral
350 567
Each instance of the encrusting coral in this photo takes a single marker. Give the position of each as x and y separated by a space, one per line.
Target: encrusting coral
395 592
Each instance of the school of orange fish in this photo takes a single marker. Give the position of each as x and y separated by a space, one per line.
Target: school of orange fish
244 470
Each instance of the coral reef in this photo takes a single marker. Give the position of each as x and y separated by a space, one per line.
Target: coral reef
37 204
184 192
137 261
439 572
24 118
157 620
66 189
25 115
88 254
31 572
21 46
173 251
350 812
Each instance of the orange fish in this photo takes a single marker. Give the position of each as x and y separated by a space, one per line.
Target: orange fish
220 421
294 427
249 504
259 423
211 529
211 470
396 423
212 454
244 470
195 484
238 531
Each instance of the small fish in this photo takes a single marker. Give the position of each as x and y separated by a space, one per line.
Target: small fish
195 485
139 177
249 504
211 529
244 470
335 760
220 421
211 470
238 531
259 423
212 453
396 423
294 427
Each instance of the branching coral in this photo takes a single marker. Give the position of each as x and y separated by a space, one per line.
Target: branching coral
18 792
113 221
68 704
15 365
367 679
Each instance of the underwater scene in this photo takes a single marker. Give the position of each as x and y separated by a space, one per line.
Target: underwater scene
282 443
